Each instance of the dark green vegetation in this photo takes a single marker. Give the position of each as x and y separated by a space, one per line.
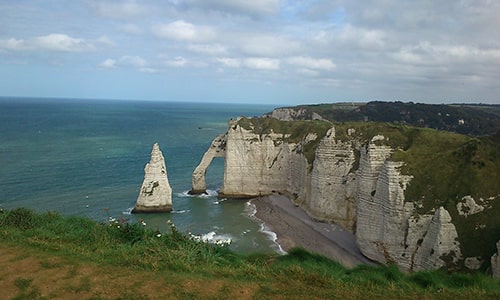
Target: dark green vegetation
445 167
478 119
124 261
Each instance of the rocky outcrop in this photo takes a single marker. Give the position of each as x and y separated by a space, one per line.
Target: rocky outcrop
351 181
468 207
292 114
155 194
495 262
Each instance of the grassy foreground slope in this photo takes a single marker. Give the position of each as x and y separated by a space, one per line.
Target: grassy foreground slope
47 256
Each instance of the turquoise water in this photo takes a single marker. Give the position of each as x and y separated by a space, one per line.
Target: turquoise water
87 157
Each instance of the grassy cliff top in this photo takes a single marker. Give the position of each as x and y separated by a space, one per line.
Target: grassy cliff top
57 257
470 119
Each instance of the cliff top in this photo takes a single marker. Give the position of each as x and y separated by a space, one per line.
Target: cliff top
470 119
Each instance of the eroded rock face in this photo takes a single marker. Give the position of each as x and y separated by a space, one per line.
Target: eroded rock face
495 262
353 184
388 228
333 183
256 164
155 194
440 244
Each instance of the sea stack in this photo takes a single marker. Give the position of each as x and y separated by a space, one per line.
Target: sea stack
155 194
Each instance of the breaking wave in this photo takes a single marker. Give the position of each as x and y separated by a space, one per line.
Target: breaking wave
209 194
183 211
128 211
213 238
251 209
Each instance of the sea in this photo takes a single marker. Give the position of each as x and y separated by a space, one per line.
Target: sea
86 158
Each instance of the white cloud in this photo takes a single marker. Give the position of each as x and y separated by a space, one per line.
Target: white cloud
308 72
262 63
129 61
257 63
104 40
108 64
426 53
245 7
184 31
133 61
229 62
61 42
352 36
312 63
52 42
148 70
210 49
178 61
131 29
268 45
13 44
118 9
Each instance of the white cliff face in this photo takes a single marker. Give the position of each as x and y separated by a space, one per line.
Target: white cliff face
381 210
332 184
255 164
155 194
364 193
388 229
495 262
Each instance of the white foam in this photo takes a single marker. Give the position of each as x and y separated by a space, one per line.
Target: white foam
128 211
210 193
213 238
273 237
183 211
251 210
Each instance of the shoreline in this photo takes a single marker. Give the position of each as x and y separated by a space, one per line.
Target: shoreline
294 228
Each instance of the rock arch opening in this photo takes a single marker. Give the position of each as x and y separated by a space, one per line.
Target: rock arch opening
216 149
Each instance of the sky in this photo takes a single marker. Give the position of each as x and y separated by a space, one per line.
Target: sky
258 51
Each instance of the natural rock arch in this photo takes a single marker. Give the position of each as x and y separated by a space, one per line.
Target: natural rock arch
216 149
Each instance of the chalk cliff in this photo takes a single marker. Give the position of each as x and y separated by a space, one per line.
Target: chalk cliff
348 176
155 194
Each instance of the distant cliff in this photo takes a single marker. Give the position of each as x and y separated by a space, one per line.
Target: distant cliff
420 198
469 119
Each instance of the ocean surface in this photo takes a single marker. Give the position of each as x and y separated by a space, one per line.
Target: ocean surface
87 157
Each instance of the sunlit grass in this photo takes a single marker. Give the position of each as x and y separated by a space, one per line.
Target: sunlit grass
132 246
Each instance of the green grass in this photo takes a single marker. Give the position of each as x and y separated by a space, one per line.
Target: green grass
297 273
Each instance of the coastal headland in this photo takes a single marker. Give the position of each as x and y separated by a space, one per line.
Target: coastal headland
417 197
